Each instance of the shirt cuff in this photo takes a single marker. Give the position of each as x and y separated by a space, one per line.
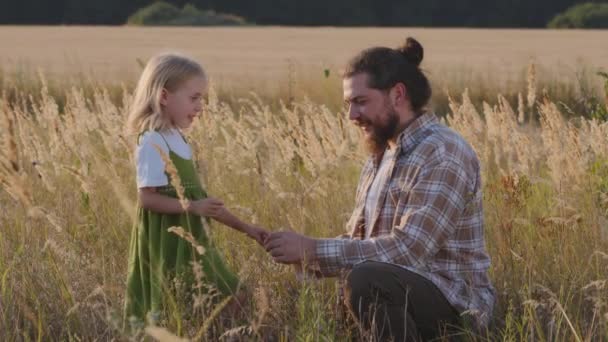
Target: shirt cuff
330 256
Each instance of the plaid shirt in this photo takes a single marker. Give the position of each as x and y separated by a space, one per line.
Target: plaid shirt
429 218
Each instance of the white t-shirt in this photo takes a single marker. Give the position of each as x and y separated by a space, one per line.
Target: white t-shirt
371 201
150 166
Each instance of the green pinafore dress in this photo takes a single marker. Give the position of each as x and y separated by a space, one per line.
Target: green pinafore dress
157 256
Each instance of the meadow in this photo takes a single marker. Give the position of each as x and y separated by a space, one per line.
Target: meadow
274 143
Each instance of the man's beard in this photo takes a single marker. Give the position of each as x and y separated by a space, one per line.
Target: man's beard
382 132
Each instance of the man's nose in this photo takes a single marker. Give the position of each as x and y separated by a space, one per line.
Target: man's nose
353 113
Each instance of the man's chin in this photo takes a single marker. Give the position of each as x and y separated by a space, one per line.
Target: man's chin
372 145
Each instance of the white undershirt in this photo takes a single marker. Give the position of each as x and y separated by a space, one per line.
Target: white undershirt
371 201
150 166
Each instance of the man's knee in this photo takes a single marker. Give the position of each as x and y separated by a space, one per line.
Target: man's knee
361 284
369 295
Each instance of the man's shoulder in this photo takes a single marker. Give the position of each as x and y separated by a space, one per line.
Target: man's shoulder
443 144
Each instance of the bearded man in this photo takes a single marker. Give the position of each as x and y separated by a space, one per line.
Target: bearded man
414 261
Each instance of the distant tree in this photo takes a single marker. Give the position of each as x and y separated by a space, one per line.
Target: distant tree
587 15
192 16
154 14
162 13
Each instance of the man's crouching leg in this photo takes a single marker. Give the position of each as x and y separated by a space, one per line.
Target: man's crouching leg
392 303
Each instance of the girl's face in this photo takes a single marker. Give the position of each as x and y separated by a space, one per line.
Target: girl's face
185 103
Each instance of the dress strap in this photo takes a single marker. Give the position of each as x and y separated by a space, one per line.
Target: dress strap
139 137
183 137
165 140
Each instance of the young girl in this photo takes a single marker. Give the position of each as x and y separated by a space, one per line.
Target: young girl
167 99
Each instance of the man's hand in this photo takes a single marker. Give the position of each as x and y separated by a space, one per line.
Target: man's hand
291 248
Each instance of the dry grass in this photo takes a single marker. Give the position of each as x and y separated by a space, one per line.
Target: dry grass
67 200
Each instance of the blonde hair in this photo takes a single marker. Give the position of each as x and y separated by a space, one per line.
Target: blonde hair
165 71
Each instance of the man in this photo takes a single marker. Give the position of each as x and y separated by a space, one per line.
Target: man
415 253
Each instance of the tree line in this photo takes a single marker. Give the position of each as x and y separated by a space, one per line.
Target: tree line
428 13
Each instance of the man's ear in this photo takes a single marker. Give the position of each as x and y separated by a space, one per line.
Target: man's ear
398 94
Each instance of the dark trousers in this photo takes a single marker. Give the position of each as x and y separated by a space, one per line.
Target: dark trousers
392 303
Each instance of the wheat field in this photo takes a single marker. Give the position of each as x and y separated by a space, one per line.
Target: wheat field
297 63
254 53
67 186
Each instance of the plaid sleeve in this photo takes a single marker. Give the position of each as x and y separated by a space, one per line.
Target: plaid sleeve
430 210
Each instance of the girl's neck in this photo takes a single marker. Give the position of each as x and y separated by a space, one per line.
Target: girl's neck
170 130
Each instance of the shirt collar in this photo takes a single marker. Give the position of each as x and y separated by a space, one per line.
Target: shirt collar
416 131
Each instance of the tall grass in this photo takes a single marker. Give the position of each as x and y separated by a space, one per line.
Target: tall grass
284 161
577 90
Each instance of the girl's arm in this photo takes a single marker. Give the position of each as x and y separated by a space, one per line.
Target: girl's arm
150 199
210 207
230 220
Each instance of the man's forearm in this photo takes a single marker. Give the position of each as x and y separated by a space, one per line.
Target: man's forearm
310 251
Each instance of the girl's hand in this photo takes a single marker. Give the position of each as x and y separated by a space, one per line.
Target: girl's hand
259 234
209 207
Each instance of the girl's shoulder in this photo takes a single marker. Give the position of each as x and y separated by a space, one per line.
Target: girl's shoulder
151 138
